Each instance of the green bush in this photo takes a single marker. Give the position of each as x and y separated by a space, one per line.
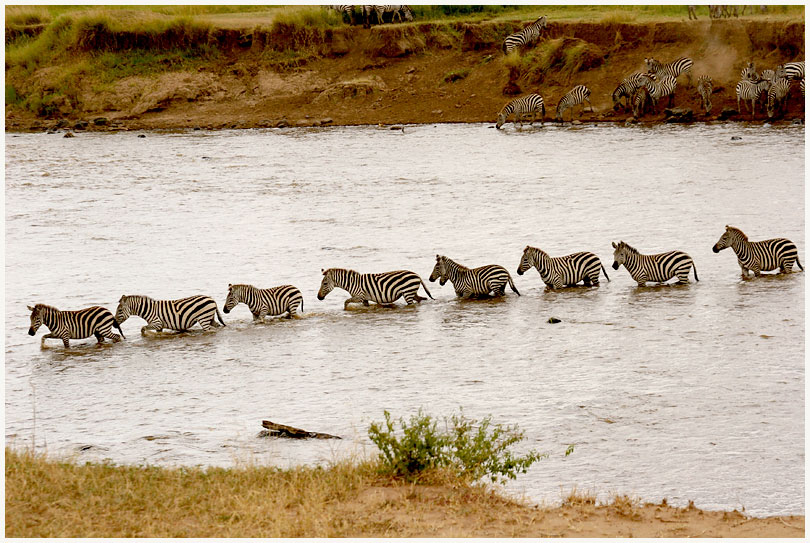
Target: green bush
467 447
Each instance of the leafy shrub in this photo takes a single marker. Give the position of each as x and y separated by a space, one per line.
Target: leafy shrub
469 448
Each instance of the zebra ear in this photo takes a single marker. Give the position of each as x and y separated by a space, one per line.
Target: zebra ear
323 271
30 308
727 227
230 286
614 244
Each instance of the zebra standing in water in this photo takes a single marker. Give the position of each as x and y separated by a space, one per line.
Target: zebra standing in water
472 282
523 107
675 68
527 36
660 87
178 315
66 325
658 267
748 90
705 91
381 288
563 271
268 301
577 95
777 95
759 256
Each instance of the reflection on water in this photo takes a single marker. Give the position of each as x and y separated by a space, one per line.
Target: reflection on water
685 392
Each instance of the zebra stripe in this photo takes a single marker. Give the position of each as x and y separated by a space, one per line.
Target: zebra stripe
658 267
563 271
627 87
794 70
777 94
381 288
705 91
577 95
178 315
675 68
66 325
268 301
748 90
641 101
661 86
472 282
523 107
749 72
801 87
527 36
759 256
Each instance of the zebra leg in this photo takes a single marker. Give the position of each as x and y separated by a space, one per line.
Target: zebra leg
157 326
98 337
66 342
48 336
354 300
109 334
683 276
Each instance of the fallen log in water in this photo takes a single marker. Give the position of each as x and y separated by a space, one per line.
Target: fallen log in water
281 430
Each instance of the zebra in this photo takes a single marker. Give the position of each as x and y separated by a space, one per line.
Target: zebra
262 302
178 315
523 107
777 95
749 72
660 87
397 12
705 91
748 90
527 36
577 95
641 101
627 87
692 14
658 267
66 325
563 271
759 256
473 282
380 288
344 11
794 70
675 68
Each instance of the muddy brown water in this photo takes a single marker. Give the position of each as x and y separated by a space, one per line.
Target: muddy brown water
684 392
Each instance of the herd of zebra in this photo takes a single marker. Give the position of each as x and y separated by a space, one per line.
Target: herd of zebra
369 15
386 288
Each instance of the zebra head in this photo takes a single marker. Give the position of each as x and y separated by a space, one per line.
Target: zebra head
234 297
729 238
439 271
501 119
327 284
36 319
541 22
620 253
652 65
526 261
125 309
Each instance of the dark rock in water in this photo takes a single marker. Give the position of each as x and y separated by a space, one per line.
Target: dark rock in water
197 128
630 120
554 320
141 136
80 125
100 121
735 138
396 127
282 124
68 134
727 113
576 122
679 115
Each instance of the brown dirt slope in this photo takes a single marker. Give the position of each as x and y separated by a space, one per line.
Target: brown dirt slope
421 73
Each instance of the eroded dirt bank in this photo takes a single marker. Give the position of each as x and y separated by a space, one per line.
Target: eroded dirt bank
418 73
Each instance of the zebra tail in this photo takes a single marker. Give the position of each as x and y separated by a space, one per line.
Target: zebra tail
512 284
115 323
222 322
424 286
694 269
603 271
799 263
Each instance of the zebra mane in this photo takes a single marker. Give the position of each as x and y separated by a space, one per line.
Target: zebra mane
633 250
45 307
737 231
456 264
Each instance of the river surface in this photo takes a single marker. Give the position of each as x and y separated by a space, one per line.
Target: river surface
686 393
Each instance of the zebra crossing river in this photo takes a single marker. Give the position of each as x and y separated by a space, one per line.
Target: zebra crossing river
687 392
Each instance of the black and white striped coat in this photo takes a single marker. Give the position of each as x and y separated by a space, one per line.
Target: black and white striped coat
265 301
563 271
675 68
777 95
658 267
525 107
527 36
642 101
627 88
749 72
705 90
759 256
748 90
663 85
470 282
794 70
381 288
66 325
178 315
578 95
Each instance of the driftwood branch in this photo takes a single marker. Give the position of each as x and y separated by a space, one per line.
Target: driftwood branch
281 430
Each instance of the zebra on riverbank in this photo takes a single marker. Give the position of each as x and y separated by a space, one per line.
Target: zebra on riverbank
675 68
471 282
759 256
777 95
66 325
578 95
748 90
660 87
527 36
265 301
658 267
523 108
563 271
178 315
627 88
794 70
380 288
705 90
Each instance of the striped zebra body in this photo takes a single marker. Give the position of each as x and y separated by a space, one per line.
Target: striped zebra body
641 101
381 288
66 325
801 87
627 87
473 282
527 36
660 87
675 68
705 91
577 95
777 95
397 12
748 90
759 256
767 75
794 70
525 107
265 301
658 267
563 271
178 315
